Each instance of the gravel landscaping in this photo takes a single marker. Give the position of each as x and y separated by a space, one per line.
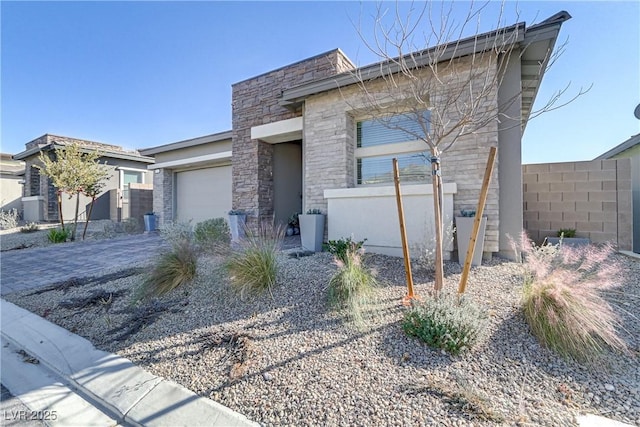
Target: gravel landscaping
286 359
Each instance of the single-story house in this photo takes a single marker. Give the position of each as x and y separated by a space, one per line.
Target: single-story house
630 149
11 180
127 192
296 144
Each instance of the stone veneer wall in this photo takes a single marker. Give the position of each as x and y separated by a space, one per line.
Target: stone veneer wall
255 102
163 195
329 144
594 198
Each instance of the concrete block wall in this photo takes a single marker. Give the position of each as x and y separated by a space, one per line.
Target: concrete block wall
140 201
593 197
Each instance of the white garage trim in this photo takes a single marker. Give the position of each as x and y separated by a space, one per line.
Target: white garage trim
193 161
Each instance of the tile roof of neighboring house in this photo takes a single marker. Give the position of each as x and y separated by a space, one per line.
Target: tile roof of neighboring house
629 143
51 142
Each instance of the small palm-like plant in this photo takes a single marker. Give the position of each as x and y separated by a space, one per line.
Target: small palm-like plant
562 299
253 266
58 235
352 286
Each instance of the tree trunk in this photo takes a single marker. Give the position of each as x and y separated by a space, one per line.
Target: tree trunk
86 224
75 219
437 210
60 209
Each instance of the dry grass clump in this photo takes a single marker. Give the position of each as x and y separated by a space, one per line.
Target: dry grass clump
175 267
252 267
562 299
352 285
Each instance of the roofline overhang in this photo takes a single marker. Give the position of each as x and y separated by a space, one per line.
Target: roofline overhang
628 144
545 30
215 137
104 153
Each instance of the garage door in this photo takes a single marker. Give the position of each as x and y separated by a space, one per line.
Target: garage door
203 194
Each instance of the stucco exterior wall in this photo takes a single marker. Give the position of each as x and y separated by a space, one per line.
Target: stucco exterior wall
594 198
329 145
633 154
255 102
195 151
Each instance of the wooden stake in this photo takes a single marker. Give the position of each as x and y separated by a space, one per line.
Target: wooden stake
437 208
403 234
476 223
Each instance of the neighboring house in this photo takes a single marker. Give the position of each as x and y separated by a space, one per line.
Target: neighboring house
295 145
11 180
630 149
120 199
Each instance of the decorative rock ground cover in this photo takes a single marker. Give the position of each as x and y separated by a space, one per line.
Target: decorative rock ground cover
285 359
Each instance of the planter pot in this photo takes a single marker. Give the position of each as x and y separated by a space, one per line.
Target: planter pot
149 223
236 225
464 226
567 241
311 231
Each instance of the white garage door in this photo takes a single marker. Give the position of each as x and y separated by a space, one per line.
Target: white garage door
203 194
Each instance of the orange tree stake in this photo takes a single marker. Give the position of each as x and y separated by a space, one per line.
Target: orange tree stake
476 222
403 234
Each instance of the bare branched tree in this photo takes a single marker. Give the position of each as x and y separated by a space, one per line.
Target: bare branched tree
444 85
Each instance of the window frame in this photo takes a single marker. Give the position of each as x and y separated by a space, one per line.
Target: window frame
121 185
415 146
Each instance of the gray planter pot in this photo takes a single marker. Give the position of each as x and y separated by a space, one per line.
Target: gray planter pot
311 231
236 225
464 226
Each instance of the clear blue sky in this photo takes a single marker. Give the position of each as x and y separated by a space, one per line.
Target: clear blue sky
140 74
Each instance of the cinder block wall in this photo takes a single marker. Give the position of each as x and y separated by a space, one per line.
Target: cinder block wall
140 201
592 197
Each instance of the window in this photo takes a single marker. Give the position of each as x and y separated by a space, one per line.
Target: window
378 143
127 177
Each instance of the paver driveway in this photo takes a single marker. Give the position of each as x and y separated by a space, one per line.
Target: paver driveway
33 268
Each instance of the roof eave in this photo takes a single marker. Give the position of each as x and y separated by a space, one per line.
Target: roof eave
455 49
201 140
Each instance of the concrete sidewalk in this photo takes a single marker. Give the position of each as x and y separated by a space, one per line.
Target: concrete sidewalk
86 386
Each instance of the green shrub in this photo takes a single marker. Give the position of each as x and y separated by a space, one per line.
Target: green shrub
29 228
174 267
562 299
567 232
131 225
253 266
58 235
339 248
446 322
213 234
175 233
351 286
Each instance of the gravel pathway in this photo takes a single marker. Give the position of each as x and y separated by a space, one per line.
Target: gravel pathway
285 359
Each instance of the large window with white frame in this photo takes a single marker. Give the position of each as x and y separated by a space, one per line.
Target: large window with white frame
378 142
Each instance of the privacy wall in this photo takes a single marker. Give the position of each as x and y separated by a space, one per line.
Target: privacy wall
594 198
